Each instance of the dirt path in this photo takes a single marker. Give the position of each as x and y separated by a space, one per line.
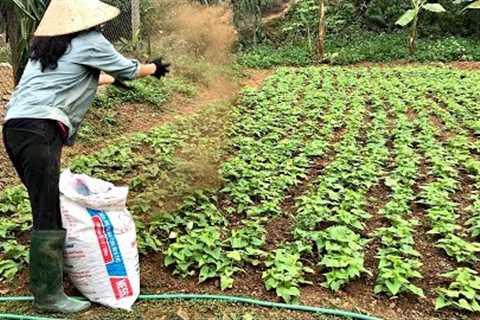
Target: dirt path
466 65
141 118
461 65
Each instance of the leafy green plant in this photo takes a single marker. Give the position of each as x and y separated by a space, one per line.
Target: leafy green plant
461 250
463 291
14 257
15 218
342 256
286 272
395 273
246 242
363 47
14 200
147 90
196 212
411 16
201 251
304 19
266 56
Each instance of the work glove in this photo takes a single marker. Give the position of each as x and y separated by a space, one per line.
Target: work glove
162 68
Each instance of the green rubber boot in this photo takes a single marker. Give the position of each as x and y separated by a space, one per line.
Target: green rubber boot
46 274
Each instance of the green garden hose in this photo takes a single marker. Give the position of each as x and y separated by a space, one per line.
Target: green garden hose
23 317
222 298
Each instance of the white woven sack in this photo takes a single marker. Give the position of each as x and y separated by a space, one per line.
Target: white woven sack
101 256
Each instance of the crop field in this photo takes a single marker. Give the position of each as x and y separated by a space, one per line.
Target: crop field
356 188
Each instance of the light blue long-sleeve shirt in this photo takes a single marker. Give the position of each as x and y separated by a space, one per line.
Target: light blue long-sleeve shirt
65 93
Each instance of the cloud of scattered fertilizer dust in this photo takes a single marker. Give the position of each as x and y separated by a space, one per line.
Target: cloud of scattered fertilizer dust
199 31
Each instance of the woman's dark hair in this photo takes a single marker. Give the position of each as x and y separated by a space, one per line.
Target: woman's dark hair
48 50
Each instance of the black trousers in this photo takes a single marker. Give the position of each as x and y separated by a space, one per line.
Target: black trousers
35 147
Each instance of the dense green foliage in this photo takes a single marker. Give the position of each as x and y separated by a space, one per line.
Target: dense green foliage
359 31
382 14
364 47
343 16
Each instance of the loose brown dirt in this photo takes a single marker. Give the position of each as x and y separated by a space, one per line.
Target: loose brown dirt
466 65
462 65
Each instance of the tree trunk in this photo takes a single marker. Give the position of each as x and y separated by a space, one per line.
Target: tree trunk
135 7
321 33
13 38
412 42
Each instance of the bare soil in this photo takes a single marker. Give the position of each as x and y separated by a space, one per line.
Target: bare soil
462 65
466 65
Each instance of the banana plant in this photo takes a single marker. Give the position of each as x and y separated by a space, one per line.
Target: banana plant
474 5
411 16
23 17
468 4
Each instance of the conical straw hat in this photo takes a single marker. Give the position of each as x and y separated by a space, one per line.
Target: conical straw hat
70 16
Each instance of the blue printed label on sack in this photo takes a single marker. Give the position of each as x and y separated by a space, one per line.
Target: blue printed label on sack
111 254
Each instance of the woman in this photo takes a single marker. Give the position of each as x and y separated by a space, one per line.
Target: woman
45 112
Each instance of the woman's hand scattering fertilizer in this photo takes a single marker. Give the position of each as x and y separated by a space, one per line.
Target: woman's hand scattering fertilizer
162 68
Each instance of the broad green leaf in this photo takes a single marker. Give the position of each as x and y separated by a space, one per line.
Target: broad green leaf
462 303
235 255
475 305
271 283
169 260
287 293
378 289
475 5
469 293
406 18
24 9
226 282
434 7
441 303
393 286
416 290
